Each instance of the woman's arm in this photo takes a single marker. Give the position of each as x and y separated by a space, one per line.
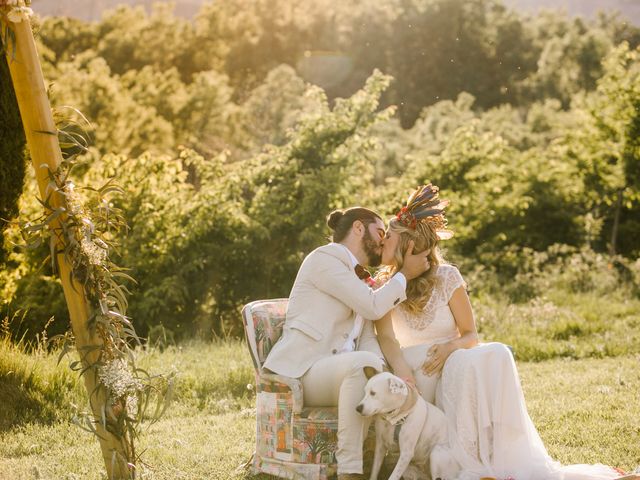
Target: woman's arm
391 349
463 314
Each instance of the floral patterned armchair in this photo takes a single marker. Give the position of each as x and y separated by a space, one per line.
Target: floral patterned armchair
292 441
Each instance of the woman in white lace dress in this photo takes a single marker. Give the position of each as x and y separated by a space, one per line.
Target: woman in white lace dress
431 341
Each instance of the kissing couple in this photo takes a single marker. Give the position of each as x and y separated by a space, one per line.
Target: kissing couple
414 318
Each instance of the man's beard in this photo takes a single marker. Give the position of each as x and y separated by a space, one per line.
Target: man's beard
372 249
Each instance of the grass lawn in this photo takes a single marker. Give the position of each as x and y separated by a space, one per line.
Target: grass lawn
586 410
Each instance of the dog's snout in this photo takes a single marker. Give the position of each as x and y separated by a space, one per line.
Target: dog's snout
359 408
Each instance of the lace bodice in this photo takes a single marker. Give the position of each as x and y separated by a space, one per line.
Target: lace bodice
435 324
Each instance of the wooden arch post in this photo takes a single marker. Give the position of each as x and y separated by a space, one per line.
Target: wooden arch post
37 120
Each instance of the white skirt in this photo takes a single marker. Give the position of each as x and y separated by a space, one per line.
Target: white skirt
490 430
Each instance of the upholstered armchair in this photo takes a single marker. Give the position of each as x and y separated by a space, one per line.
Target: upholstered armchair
292 441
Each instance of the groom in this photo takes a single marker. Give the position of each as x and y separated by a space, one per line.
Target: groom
327 339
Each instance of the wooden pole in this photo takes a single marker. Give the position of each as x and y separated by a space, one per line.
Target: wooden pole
37 119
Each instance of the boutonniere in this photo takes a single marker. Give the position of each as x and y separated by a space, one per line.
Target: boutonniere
363 274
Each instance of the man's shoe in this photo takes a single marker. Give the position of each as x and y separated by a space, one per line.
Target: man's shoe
350 476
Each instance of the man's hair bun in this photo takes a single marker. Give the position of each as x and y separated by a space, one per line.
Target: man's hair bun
333 219
341 221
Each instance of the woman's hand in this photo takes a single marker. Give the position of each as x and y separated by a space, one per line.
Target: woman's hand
436 356
409 380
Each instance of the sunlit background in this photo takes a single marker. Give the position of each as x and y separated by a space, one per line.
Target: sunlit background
235 126
92 9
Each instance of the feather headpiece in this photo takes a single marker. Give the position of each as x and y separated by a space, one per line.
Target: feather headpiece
424 205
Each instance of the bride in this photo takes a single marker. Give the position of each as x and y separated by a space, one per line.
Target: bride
431 341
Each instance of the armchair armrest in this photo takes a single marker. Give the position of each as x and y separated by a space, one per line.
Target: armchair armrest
272 382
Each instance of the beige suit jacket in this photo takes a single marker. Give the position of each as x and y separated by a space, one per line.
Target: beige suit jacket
322 307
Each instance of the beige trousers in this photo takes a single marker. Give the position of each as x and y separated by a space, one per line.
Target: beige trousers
339 380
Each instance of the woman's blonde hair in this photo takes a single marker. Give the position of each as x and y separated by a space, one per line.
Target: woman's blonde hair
424 236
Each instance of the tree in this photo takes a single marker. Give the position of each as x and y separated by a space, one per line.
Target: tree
570 58
207 235
607 148
119 123
12 151
272 110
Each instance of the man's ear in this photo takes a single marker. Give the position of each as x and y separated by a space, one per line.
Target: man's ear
370 372
358 224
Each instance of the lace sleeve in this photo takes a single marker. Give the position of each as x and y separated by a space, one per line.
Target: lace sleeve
451 280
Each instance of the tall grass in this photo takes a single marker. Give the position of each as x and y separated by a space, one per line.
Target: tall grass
213 378
569 325
210 430
33 387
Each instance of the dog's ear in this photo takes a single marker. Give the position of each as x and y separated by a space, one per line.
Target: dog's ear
370 372
398 386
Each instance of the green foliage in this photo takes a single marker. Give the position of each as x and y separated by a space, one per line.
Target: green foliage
230 160
65 37
559 303
129 39
12 146
607 150
505 188
570 57
272 110
181 225
433 48
206 236
292 188
119 122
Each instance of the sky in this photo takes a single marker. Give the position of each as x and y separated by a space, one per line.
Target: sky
92 9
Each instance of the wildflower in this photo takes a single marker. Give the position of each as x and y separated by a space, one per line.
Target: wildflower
94 253
18 14
118 378
132 405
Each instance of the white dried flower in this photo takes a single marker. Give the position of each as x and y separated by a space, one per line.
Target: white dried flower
94 253
18 14
73 200
118 378
132 405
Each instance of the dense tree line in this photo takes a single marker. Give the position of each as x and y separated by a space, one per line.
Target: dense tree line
235 134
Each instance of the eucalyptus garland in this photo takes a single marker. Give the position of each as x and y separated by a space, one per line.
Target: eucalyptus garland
85 230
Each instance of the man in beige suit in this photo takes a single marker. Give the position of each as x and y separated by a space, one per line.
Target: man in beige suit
328 334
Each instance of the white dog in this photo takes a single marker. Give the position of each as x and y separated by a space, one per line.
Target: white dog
405 418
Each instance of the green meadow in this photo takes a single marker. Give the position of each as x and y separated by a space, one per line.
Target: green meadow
579 364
